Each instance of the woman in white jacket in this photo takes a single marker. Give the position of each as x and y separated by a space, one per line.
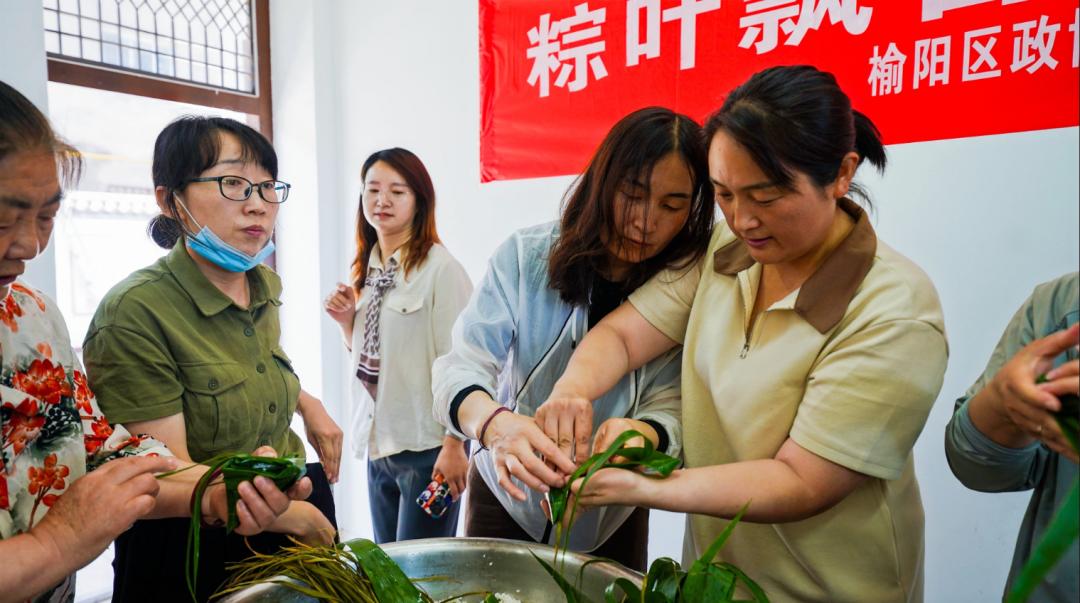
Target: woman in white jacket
411 289
643 204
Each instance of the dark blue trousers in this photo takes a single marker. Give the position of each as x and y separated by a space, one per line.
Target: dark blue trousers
394 482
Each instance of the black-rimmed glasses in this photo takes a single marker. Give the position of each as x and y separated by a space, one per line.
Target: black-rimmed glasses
238 188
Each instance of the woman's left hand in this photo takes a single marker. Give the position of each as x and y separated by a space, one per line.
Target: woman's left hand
322 433
613 486
609 486
453 464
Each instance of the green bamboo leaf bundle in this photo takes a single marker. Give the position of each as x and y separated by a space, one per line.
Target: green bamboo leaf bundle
233 469
647 457
707 581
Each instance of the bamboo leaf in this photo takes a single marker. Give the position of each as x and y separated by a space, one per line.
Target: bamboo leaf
1056 540
284 472
630 592
664 578
1068 418
387 579
755 590
572 594
636 456
234 468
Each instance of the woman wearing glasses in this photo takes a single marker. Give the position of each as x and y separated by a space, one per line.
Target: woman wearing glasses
188 349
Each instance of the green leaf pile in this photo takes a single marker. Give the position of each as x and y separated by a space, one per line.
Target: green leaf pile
357 571
706 581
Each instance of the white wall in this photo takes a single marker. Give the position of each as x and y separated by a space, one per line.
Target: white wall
987 218
22 66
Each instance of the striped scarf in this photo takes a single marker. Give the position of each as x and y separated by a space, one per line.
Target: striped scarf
377 284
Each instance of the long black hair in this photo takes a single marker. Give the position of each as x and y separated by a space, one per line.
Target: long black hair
629 152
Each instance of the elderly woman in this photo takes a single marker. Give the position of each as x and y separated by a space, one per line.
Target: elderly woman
188 349
69 482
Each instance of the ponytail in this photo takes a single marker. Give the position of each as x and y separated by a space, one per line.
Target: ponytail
797 119
868 142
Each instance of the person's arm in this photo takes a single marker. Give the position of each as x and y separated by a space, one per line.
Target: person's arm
464 380
858 419
652 322
322 433
81 523
992 440
451 292
1014 411
794 485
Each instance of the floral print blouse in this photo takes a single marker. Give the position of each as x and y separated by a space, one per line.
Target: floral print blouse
51 429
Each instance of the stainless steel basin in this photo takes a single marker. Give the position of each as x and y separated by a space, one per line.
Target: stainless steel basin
447 567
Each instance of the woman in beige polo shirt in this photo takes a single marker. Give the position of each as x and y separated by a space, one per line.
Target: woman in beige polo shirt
812 354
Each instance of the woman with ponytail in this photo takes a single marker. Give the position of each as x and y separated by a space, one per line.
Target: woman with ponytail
188 350
812 353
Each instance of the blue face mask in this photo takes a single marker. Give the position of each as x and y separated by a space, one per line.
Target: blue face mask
210 246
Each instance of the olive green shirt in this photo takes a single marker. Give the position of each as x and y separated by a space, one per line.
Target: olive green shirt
166 341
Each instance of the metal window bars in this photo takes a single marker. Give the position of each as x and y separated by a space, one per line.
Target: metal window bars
205 42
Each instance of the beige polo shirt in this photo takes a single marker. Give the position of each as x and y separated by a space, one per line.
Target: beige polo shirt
848 366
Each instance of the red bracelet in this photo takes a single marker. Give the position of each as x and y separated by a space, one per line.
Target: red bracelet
483 430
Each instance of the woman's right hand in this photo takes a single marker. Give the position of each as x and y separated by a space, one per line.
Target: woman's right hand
341 304
567 419
517 444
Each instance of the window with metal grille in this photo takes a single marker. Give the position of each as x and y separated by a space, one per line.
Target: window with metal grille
214 53
208 42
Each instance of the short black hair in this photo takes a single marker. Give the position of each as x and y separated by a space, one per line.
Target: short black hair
189 146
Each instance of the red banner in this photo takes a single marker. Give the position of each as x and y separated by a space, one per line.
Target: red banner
555 75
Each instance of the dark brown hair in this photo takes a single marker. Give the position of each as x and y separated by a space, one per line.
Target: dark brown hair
24 128
796 117
629 152
423 233
189 146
